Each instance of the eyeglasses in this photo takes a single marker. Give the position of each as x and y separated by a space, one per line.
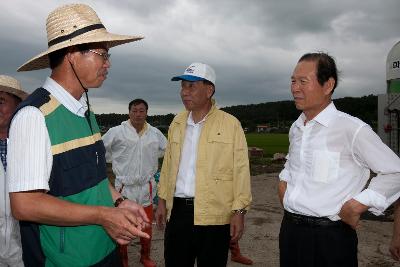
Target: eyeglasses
106 56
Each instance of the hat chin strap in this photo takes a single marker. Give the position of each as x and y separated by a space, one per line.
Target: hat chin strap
87 112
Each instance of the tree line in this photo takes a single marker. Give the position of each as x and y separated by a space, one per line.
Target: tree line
277 115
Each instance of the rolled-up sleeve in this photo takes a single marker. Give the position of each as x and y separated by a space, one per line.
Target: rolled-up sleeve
372 153
284 175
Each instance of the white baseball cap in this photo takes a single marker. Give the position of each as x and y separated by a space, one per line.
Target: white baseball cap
197 72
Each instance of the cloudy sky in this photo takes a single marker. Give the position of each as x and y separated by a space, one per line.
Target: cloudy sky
253 45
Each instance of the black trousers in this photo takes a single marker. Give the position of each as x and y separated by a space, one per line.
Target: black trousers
185 242
308 244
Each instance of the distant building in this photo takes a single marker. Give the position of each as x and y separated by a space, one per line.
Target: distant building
255 152
265 128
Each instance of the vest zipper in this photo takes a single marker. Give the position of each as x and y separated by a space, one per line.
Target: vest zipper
62 239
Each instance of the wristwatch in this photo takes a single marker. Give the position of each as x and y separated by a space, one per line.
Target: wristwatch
241 211
119 200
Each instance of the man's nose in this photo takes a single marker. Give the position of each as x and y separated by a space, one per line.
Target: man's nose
107 63
294 87
184 91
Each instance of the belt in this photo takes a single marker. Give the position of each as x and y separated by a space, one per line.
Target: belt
187 201
311 220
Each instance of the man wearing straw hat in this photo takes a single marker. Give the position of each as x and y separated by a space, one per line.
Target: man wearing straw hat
11 94
57 170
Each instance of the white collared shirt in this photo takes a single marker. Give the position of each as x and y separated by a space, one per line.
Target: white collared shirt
29 159
186 178
77 107
329 162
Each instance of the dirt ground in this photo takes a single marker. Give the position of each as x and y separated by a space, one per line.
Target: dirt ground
262 228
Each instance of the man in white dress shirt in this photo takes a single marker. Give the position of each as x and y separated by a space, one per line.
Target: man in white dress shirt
70 214
134 148
328 165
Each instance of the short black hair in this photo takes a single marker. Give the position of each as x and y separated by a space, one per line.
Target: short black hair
56 57
326 67
138 101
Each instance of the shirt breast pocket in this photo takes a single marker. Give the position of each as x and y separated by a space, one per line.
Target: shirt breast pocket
325 167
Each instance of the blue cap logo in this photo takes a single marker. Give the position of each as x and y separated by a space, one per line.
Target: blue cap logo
190 69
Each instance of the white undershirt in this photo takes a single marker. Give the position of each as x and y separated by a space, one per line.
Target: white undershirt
186 179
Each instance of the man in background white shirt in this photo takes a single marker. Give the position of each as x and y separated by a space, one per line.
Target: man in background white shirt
134 148
328 165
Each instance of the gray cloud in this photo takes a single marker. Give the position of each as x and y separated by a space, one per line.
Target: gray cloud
253 46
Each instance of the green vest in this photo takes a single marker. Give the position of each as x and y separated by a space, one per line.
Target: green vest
78 175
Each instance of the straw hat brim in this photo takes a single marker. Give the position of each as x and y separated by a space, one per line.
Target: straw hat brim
41 61
14 91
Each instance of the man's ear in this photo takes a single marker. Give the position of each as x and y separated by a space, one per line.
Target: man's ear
70 55
329 85
210 90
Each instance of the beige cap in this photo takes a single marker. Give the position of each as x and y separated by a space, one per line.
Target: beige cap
10 85
71 25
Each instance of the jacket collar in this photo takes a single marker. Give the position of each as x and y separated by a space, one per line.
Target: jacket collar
183 117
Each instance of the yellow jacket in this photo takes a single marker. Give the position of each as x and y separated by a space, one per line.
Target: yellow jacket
222 168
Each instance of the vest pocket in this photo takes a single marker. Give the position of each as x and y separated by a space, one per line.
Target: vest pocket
76 173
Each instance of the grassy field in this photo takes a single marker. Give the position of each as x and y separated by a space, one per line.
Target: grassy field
270 142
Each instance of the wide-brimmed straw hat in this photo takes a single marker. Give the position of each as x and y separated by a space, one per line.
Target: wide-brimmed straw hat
12 86
71 25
